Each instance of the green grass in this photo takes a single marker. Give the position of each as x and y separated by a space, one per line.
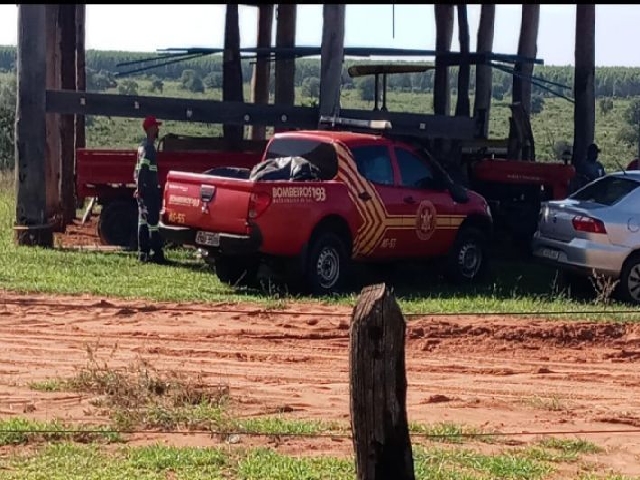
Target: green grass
515 286
20 431
70 461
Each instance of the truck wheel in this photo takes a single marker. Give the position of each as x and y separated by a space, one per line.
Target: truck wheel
235 270
118 225
467 260
629 284
327 264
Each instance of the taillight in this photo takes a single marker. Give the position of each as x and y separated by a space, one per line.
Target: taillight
258 203
588 224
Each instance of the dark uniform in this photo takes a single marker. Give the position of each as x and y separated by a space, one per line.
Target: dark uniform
149 202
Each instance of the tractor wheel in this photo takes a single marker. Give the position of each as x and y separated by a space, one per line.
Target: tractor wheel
118 224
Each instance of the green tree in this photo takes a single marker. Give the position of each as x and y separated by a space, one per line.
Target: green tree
537 104
367 88
630 133
606 105
7 120
128 87
311 87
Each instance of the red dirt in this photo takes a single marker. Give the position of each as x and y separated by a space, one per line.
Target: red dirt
496 374
510 375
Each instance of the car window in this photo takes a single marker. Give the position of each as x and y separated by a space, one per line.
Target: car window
606 190
321 154
374 163
414 171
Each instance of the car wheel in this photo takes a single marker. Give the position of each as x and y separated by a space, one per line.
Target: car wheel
235 271
467 260
630 280
327 264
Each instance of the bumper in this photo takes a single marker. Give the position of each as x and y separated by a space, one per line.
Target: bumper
581 256
228 243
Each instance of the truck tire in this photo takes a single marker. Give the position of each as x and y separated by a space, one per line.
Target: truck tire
326 269
118 224
467 260
235 270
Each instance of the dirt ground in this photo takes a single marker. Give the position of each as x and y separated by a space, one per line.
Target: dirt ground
496 374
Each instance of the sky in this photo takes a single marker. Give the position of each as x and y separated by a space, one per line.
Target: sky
147 28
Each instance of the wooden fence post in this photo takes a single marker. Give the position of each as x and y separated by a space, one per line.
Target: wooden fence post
378 387
31 202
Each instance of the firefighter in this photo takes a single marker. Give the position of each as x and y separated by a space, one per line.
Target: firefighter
147 195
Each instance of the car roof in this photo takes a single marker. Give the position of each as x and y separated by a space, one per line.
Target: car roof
345 137
632 174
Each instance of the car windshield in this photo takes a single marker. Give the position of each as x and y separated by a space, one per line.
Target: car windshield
606 190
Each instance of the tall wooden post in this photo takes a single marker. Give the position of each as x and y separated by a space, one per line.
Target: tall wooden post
67 21
53 62
285 65
482 102
232 70
262 67
81 73
444 36
464 71
378 387
584 81
31 202
331 57
527 47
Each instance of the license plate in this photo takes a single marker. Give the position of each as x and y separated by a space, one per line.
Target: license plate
550 254
208 238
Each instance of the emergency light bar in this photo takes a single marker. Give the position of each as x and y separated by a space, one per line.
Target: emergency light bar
355 122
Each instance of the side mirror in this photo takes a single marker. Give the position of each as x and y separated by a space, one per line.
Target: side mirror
458 193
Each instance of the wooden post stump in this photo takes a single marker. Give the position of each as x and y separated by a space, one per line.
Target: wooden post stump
378 387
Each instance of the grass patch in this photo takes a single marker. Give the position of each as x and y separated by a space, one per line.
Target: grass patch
559 450
551 404
450 433
71 462
140 397
21 431
518 287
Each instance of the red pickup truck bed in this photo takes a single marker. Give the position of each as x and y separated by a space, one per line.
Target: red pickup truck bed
107 176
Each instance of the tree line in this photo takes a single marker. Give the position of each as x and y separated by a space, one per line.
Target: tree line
206 71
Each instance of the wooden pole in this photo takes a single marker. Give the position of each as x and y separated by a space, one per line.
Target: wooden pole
331 57
584 81
527 47
31 201
378 387
262 67
482 102
232 70
53 62
464 71
67 21
81 73
285 66
444 36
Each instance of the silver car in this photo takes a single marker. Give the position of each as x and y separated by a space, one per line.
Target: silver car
596 229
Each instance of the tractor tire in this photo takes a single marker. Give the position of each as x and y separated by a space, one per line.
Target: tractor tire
235 270
118 224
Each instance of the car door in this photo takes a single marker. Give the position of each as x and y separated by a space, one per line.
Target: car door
426 199
380 237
